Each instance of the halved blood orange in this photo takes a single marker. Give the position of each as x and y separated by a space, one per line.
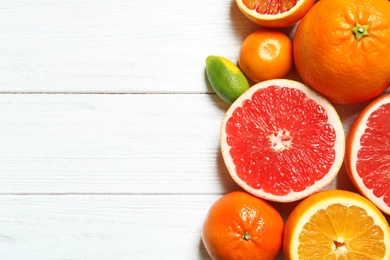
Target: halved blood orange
282 141
271 13
367 158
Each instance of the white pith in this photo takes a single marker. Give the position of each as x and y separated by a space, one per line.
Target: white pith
332 117
378 201
280 140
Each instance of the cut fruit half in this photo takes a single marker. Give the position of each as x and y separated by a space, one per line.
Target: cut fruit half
282 141
336 224
367 158
274 13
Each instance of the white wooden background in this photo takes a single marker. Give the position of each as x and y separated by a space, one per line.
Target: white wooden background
109 136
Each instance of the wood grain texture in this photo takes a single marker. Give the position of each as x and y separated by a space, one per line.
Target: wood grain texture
133 144
111 144
115 46
103 227
109 131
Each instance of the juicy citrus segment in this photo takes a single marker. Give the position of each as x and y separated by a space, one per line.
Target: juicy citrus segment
275 132
368 153
336 224
272 13
281 141
359 234
270 6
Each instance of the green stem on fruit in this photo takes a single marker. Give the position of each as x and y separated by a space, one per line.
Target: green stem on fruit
246 236
360 31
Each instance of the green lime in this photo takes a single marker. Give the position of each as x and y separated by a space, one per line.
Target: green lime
226 78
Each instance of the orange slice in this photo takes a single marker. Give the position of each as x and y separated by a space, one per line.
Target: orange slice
336 224
271 13
368 152
282 141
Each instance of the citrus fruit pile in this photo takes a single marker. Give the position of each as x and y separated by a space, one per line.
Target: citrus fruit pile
283 141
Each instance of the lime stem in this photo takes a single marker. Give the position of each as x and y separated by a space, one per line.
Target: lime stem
360 31
246 236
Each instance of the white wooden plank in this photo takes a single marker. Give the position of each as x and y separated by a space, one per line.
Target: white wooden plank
111 144
76 227
115 46
130 143
102 227
111 227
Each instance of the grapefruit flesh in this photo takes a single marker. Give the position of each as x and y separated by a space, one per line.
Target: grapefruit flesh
368 153
373 167
270 6
274 13
281 141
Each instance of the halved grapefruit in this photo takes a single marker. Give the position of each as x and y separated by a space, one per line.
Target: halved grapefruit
367 157
281 141
270 13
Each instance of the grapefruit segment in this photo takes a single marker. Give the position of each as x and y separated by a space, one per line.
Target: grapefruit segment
368 153
282 141
273 13
269 6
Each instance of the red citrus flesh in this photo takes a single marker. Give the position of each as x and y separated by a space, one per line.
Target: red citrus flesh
270 6
368 157
373 163
282 143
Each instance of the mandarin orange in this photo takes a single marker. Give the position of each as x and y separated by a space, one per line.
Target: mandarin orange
242 226
266 54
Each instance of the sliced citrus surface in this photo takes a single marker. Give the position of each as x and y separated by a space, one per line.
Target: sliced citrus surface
282 141
336 224
368 152
274 13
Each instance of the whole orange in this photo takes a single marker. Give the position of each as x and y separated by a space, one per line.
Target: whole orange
242 226
266 54
342 49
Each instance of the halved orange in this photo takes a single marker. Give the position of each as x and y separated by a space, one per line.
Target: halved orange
270 13
282 141
336 224
367 158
